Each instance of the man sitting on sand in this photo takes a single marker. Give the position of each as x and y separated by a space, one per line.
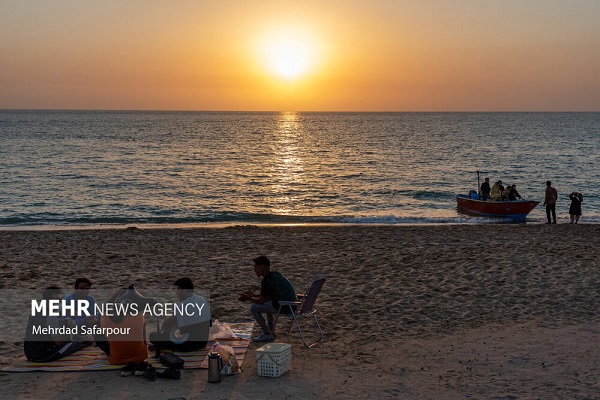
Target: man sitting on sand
43 342
185 332
82 292
274 287
127 348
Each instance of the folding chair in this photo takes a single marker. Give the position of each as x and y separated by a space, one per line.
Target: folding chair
303 308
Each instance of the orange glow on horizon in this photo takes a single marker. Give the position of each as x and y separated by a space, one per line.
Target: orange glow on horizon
307 56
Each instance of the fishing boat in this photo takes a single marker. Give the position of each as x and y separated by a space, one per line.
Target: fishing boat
515 210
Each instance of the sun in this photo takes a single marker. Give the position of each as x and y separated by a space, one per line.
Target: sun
289 55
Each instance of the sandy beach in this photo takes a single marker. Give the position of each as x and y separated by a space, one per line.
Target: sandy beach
410 312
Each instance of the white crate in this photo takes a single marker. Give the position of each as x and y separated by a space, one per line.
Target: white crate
273 359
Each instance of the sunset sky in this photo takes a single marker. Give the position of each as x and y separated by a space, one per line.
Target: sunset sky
327 55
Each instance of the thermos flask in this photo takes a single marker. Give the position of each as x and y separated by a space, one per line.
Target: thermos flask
214 367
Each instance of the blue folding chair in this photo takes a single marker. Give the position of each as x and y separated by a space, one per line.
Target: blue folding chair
303 308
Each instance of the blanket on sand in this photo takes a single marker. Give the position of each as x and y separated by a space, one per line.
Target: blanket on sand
92 358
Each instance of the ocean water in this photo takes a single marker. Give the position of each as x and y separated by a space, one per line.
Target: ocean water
73 168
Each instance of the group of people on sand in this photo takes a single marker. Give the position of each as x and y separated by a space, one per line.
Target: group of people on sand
498 192
122 336
509 193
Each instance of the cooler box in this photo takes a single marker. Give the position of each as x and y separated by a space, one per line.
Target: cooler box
273 359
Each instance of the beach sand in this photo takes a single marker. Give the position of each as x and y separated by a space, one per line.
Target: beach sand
410 312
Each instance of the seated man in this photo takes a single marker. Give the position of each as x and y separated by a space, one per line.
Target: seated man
187 331
40 346
82 292
124 348
274 287
497 191
505 191
513 194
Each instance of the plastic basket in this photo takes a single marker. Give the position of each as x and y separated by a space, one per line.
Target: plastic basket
273 359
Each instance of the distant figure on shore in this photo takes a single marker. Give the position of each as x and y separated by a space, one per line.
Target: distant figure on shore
497 191
575 209
550 202
513 194
82 292
484 190
51 345
274 287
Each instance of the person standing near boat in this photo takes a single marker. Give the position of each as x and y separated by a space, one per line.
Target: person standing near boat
575 209
484 190
550 202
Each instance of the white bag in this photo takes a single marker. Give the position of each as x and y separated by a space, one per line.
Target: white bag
220 330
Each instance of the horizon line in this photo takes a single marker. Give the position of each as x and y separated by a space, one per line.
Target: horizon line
297 111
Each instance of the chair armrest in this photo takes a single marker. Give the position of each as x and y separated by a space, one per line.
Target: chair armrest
289 303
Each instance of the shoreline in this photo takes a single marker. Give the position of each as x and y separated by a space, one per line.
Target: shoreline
222 225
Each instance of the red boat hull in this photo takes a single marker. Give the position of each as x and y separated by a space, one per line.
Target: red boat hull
514 210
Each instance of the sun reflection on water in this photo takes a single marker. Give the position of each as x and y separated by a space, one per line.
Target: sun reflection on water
288 176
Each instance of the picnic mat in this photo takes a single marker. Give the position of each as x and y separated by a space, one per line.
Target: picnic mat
92 358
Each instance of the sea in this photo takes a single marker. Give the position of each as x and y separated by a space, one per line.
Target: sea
72 169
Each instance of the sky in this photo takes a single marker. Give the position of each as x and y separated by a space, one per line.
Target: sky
327 55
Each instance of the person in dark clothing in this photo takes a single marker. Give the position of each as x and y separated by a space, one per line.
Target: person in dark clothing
575 208
185 332
274 287
551 195
484 191
513 194
40 346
